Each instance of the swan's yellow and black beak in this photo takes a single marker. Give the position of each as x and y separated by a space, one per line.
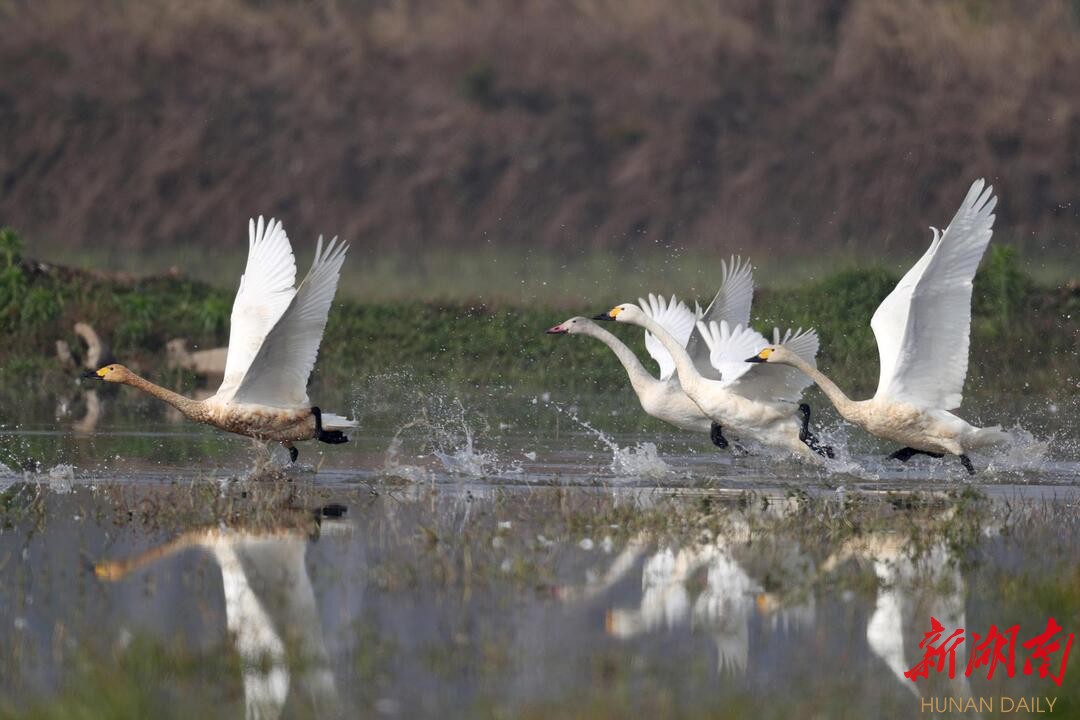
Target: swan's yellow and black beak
761 356
557 330
609 315
91 374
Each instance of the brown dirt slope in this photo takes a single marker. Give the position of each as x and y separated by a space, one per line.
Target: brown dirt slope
777 125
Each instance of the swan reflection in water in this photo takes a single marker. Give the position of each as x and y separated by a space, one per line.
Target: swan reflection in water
270 608
914 583
913 586
724 607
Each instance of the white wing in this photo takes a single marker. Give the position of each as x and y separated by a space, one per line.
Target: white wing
923 326
729 346
266 289
732 303
278 376
675 317
758 381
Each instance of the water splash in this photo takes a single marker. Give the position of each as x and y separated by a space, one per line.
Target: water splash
1023 452
452 441
61 478
640 460
394 467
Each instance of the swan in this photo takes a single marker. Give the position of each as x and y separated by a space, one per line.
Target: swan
923 332
663 398
758 406
274 339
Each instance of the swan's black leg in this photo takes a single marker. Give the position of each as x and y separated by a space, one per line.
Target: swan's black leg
809 438
717 435
293 452
966 462
905 454
804 410
331 437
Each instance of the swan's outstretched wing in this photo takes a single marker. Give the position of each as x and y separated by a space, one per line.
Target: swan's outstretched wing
732 303
266 289
725 343
675 317
279 373
758 381
923 326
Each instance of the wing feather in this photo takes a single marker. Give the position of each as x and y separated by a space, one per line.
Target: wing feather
279 374
731 304
759 381
266 289
675 317
923 327
729 346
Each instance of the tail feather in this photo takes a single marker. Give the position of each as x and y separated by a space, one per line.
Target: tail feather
985 437
337 422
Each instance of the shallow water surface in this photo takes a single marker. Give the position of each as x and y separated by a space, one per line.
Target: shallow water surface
457 562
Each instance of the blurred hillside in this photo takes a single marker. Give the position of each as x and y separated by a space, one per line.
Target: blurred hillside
783 127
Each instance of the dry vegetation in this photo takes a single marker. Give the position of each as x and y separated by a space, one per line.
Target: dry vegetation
784 125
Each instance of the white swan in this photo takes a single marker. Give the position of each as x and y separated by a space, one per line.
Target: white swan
663 398
273 343
757 406
922 330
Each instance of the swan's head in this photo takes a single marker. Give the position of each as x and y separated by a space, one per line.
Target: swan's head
111 373
627 312
774 354
572 326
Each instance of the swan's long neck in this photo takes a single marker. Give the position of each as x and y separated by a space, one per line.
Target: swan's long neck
117 569
191 408
843 404
688 374
640 378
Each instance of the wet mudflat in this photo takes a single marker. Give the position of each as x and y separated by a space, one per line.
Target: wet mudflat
463 563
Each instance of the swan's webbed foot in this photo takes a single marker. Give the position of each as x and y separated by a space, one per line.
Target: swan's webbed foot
905 454
716 434
966 462
810 438
293 452
332 437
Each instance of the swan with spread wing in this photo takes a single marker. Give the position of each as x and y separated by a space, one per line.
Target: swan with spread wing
757 406
276 328
663 397
923 333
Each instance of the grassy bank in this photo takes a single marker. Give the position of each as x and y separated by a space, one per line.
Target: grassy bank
1022 332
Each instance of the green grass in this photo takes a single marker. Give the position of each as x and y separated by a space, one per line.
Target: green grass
1020 329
